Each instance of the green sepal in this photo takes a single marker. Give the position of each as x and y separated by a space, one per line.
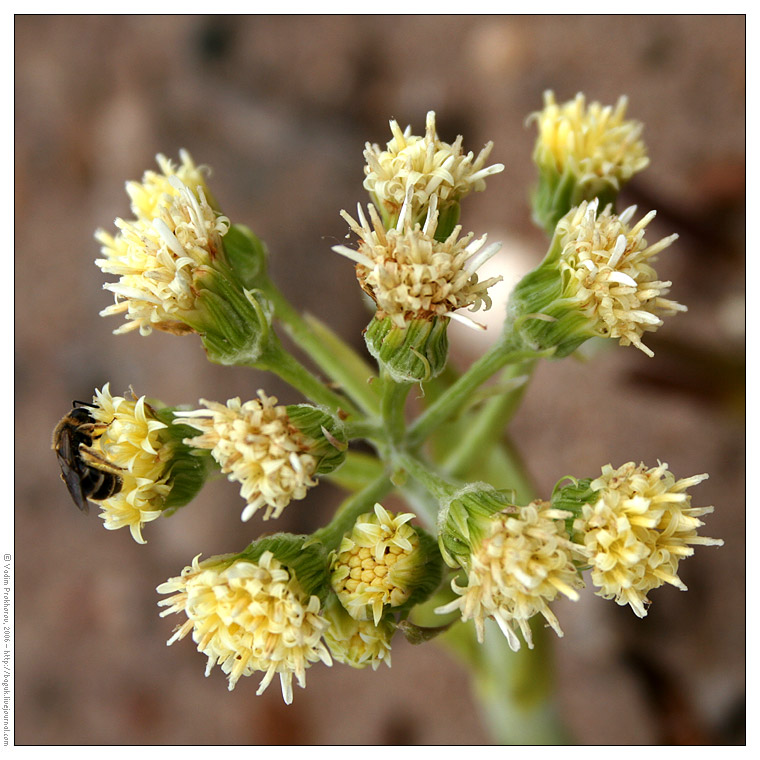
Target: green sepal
246 255
558 192
428 574
448 216
572 497
235 324
465 519
301 554
327 432
188 468
411 354
540 316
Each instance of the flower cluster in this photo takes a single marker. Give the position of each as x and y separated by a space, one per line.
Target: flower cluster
248 617
157 255
410 275
636 527
377 564
606 268
593 143
288 601
133 440
426 165
522 562
256 445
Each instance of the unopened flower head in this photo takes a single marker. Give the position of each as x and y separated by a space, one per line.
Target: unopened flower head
606 268
412 276
134 440
159 259
156 191
249 617
637 528
258 446
516 569
425 165
378 564
357 643
596 144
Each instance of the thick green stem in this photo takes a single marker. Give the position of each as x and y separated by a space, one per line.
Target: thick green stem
355 505
453 399
423 473
367 429
284 365
488 424
357 471
393 404
334 357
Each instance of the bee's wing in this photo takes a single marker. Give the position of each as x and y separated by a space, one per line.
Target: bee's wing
69 474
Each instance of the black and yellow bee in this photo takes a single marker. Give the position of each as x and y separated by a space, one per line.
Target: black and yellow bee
86 472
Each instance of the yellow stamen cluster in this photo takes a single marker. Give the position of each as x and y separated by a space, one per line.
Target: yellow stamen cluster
426 165
516 570
376 564
248 617
638 530
257 446
410 275
132 441
606 271
157 258
592 143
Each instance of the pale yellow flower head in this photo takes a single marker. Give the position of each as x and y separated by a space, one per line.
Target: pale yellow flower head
358 643
520 566
638 530
156 191
593 143
158 259
249 617
423 165
377 564
410 275
606 271
257 446
133 442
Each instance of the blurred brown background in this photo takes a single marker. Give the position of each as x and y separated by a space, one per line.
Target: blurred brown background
280 107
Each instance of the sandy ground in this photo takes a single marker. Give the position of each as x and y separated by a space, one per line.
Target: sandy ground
281 107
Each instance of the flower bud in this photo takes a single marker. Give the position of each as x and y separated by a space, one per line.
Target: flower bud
582 154
257 611
636 524
273 451
384 562
414 353
596 280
